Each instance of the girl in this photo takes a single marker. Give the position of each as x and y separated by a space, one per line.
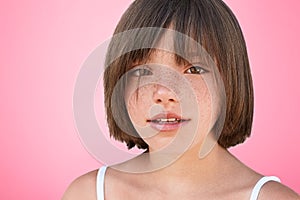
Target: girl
178 84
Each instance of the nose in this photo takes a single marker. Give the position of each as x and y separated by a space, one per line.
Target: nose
163 95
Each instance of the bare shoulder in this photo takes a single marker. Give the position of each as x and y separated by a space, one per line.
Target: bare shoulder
247 178
83 187
274 190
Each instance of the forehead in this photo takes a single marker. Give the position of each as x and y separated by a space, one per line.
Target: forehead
163 57
167 47
180 44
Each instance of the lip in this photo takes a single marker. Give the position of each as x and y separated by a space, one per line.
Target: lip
167 121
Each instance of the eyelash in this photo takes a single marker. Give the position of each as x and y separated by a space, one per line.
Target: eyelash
141 72
198 70
146 72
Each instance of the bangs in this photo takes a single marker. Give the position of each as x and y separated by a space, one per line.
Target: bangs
143 56
142 34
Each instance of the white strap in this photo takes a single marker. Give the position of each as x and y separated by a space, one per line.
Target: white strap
100 183
260 183
254 194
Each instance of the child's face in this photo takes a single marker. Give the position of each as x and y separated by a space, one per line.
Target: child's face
164 98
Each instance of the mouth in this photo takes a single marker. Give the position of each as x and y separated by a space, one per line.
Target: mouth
167 121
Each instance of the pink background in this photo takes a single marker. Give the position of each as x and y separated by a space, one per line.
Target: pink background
44 43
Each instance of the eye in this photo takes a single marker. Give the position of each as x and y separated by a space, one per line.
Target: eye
141 72
195 70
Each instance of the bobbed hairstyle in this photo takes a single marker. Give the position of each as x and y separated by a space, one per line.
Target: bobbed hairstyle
212 24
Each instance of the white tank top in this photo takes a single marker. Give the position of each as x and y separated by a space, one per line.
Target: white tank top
254 194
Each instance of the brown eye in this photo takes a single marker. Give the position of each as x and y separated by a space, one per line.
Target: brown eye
195 70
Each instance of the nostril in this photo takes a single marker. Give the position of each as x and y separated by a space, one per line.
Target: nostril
163 95
161 100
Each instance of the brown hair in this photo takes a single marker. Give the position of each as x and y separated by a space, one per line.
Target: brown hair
214 26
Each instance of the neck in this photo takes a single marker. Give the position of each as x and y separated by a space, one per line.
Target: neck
189 168
188 174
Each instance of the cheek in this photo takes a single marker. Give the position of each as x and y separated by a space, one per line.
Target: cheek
204 106
201 92
138 104
210 103
204 102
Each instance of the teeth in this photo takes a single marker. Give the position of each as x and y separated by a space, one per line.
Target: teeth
172 119
167 120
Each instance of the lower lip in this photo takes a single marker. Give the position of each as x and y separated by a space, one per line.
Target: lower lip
167 127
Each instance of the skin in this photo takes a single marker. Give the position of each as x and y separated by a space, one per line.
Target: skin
155 98
219 175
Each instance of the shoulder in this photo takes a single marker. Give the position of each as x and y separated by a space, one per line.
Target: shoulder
83 187
275 190
246 178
